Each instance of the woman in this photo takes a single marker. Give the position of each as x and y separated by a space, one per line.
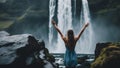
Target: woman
70 58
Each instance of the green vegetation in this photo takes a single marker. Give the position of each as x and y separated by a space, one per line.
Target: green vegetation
5 24
109 57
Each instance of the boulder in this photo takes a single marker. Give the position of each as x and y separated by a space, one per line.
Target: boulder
24 51
4 33
82 59
109 57
99 47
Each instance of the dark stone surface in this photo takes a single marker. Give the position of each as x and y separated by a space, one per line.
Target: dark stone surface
99 47
4 33
24 51
109 57
82 59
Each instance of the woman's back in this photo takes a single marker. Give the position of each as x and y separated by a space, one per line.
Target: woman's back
70 44
70 57
70 40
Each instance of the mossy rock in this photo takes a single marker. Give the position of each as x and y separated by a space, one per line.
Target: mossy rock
109 57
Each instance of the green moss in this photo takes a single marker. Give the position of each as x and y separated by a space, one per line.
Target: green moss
5 24
102 11
106 10
108 57
4 15
48 56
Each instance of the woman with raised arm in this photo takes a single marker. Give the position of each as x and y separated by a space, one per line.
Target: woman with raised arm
70 58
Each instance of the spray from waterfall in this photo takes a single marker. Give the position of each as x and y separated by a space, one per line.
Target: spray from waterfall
52 5
64 21
64 16
86 38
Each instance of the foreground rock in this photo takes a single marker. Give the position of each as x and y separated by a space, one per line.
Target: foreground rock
109 56
4 33
24 51
83 63
99 47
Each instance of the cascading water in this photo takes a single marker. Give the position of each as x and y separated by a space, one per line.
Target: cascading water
64 21
86 38
52 5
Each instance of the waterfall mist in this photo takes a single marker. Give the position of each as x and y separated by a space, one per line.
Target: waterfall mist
65 20
86 40
52 4
64 23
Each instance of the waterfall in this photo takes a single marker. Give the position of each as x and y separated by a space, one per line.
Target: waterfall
64 21
86 38
64 16
52 5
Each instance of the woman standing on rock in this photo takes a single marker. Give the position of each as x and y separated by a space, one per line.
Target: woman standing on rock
70 58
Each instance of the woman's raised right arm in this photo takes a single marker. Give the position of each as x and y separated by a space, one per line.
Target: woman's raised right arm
56 27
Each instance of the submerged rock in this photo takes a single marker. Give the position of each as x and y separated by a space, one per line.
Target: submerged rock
24 51
82 59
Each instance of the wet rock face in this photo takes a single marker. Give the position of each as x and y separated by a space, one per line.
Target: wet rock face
109 57
82 59
24 51
4 33
9 45
99 47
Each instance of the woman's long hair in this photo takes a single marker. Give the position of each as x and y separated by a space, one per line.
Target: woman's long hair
70 35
